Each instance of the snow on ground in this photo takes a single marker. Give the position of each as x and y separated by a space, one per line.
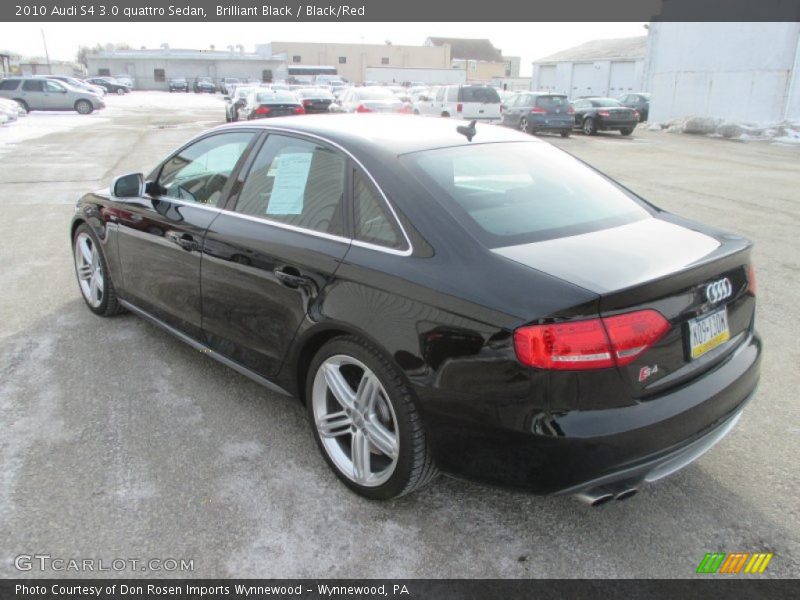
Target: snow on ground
785 132
38 124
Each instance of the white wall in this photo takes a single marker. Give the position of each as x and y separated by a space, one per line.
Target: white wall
589 78
739 71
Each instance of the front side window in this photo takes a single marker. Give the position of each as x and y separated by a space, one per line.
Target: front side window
515 193
374 223
199 172
52 86
297 183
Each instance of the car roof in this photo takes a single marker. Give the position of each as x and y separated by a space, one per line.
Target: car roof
388 134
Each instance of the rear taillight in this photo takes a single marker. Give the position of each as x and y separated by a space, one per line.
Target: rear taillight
751 279
570 111
589 344
262 110
603 113
307 102
459 107
538 111
299 110
361 108
636 114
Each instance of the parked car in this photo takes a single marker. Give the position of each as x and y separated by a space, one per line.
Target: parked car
236 101
315 99
9 110
77 83
367 100
640 102
466 101
112 86
204 84
534 112
41 93
264 104
603 114
226 84
178 84
492 308
125 80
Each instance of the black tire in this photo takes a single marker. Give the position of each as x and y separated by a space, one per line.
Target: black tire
110 305
415 467
626 131
84 107
524 126
120 91
566 133
23 104
589 127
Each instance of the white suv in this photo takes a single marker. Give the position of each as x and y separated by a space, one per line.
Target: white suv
466 101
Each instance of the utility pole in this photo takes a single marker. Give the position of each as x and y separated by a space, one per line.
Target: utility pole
44 41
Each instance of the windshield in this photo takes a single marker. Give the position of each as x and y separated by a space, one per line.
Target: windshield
475 93
605 102
515 193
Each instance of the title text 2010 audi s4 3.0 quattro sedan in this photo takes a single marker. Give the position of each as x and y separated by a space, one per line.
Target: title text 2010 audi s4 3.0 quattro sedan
464 299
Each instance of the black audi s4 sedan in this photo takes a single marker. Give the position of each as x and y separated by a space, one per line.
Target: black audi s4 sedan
464 299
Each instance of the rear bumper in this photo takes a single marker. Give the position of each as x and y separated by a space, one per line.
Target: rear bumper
605 124
543 123
570 451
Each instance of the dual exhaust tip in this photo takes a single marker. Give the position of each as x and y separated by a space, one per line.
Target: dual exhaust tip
601 495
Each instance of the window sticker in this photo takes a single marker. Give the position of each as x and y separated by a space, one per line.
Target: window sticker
290 184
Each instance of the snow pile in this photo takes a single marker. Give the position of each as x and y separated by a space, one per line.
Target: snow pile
785 132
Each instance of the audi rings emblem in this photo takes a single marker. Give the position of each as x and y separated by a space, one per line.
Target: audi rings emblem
719 290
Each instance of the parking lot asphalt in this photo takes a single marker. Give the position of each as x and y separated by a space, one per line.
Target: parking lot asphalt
119 441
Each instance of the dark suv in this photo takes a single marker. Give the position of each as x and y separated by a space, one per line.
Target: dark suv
533 112
204 84
178 84
639 101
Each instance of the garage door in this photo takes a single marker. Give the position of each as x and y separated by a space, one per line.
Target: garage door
622 78
585 81
547 78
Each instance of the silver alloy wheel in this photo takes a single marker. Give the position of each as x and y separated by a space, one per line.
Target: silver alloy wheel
588 127
89 269
83 107
523 124
355 420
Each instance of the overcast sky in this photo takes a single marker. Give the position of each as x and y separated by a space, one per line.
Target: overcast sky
528 40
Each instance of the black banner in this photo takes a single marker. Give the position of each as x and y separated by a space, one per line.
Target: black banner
399 10
395 589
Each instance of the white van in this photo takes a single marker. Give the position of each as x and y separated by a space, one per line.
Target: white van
465 101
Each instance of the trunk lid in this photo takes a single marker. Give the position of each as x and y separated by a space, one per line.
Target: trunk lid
664 264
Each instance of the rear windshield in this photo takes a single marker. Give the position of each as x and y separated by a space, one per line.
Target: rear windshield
605 102
515 193
275 97
551 102
479 93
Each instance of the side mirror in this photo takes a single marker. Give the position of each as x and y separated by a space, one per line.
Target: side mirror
128 186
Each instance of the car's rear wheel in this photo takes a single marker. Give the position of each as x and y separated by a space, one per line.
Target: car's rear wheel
626 131
365 421
84 107
120 91
524 126
91 269
589 128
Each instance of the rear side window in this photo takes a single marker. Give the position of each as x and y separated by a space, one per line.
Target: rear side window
9 84
33 85
479 93
296 182
552 102
514 193
373 222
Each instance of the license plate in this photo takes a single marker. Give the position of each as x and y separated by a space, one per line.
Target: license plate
708 332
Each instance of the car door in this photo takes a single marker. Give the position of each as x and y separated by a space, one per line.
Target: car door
33 94
517 106
160 234
580 107
56 96
269 257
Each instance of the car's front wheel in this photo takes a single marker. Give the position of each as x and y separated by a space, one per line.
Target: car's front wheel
626 131
524 126
365 421
91 270
84 107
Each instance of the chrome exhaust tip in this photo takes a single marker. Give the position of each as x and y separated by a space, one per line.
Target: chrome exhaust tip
595 497
625 494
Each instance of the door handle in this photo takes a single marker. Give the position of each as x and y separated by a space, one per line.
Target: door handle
290 277
184 240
